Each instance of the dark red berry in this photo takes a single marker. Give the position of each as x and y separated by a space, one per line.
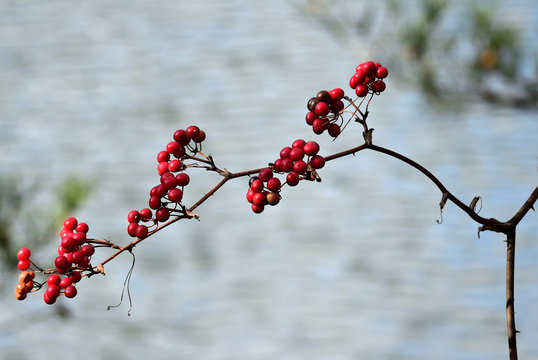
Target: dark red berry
292 179
192 132
87 250
333 130
259 199
131 229
70 291
310 117
300 167
311 148
317 162
162 214
181 137
146 214
154 202
182 179
257 209
273 184
297 153
361 90
141 231
257 186
265 174
285 152
133 216
175 195
62 264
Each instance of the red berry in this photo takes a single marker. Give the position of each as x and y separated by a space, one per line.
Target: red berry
23 264
175 195
310 117
300 167
297 153
278 165
79 237
68 243
250 195
70 291
141 231
192 132
257 186
181 137
131 229
182 179
286 165
75 277
334 130
49 299
146 214
259 199
163 156
154 202
361 90
172 147
311 148
257 209
368 67
273 184
265 174
23 254
169 182
65 282
292 179
77 257
162 167
317 162
337 106
299 143
319 126
133 216
70 223
382 72
162 214
336 94
54 279
378 86
285 152
200 137
321 109
82 227
174 165
62 264
87 250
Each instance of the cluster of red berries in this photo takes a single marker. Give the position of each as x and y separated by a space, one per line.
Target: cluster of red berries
299 161
166 196
368 78
74 253
324 111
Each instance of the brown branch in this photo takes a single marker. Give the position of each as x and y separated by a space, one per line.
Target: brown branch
510 312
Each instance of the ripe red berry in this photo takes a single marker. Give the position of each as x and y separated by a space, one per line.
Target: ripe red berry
75 277
200 137
162 167
257 186
174 165
162 214
181 137
182 179
154 202
49 299
292 179
265 174
297 153
62 264
131 229
321 109
300 167
141 231
336 94
192 132
361 90
70 291
77 257
87 250
175 195
54 279
172 147
133 216
23 264
273 184
82 227
70 223
68 243
382 72
378 86
145 214
163 156
250 195
299 143
311 148
319 126
286 165
285 152
259 199
334 130
257 209
79 238
317 162
310 117
23 254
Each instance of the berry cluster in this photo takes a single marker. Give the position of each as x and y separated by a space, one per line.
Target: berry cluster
324 111
299 161
74 253
165 198
368 78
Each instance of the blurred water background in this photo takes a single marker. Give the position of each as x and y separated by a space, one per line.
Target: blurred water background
355 267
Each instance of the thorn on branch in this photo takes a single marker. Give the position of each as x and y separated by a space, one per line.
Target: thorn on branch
442 204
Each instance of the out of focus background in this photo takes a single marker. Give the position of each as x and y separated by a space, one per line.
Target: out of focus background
353 267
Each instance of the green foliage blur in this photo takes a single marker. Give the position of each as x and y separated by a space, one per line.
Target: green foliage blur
449 50
23 224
